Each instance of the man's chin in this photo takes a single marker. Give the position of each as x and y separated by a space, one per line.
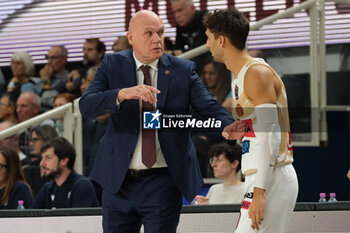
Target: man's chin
49 176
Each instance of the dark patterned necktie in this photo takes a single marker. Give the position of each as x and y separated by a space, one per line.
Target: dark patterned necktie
148 135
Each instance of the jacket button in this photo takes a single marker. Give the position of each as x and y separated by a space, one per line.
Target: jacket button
136 131
129 155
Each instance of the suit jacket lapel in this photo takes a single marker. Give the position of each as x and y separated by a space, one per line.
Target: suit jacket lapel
164 74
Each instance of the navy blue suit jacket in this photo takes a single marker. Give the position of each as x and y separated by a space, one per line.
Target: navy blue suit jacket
180 88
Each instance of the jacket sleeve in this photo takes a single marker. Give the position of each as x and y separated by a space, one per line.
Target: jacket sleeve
99 98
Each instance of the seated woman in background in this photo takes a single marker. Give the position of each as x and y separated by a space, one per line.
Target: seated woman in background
22 68
13 186
226 162
217 79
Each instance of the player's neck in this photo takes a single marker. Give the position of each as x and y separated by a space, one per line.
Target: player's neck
236 60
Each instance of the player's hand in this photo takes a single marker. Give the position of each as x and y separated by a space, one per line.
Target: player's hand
144 92
234 131
257 208
202 200
348 174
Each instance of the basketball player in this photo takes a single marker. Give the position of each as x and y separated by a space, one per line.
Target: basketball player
260 106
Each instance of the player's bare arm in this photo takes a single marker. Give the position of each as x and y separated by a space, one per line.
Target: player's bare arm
261 87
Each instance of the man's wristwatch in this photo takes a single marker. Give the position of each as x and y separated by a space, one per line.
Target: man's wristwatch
12 85
47 82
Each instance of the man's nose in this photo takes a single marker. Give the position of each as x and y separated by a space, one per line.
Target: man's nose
207 44
156 37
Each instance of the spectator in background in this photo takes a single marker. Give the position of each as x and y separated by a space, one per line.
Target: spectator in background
67 188
217 79
54 75
94 50
39 135
22 68
8 108
13 186
226 162
28 106
348 174
190 31
120 44
61 99
12 141
86 81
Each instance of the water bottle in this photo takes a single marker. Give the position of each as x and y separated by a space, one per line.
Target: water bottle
195 201
322 197
20 205
332 197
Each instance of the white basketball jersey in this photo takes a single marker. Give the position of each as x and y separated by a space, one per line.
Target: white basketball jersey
244 110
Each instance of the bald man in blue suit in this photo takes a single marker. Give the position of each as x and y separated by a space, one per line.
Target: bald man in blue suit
134 193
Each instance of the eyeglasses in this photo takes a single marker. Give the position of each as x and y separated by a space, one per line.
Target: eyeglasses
52 57
215 159
34 139
2 166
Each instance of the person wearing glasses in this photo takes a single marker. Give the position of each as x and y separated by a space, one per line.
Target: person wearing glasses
54 75
13 186
225 160
22 68
39 135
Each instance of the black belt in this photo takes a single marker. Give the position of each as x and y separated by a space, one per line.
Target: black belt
145 172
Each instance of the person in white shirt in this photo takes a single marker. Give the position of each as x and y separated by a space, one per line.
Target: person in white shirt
226 162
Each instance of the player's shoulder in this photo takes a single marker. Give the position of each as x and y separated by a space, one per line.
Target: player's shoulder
259 74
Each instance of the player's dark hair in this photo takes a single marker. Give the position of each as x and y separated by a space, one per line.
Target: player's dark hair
230 23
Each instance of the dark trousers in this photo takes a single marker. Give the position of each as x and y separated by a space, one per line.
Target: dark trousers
152 200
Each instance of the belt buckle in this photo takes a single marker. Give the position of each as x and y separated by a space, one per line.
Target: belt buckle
133 173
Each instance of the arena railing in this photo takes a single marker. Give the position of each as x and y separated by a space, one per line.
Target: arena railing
72 128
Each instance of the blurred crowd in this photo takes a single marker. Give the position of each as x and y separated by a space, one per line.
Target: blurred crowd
36 166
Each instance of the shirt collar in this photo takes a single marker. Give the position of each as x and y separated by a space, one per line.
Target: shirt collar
153 65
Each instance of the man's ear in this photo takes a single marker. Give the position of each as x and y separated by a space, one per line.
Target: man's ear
64 162
130 37
235 164
222 40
